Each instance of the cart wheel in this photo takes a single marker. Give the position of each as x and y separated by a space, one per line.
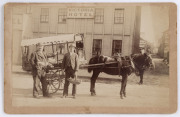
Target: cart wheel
62 82
55 81
61 77
52 86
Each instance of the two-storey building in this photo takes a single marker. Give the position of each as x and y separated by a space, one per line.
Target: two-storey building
107 28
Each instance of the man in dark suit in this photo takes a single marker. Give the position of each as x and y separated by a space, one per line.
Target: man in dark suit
70 65
39 64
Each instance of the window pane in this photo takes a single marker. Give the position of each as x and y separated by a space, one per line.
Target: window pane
116 47
62 14
99 15
97 46
119 16
121 20
44 15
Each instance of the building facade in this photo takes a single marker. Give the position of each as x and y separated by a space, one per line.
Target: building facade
107 29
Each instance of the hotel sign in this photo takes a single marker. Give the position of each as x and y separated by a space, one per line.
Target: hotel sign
80 13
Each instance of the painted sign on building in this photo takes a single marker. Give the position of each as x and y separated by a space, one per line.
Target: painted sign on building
80 13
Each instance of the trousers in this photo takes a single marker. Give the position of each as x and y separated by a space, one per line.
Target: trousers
69 72
39 76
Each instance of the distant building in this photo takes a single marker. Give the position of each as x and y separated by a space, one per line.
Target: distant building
147 46
107 29
163 50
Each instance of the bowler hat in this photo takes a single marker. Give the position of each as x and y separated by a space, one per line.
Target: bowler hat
72 45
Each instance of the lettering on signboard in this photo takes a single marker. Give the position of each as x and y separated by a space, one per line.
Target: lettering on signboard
80 13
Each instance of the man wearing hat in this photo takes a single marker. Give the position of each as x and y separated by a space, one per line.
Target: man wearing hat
70 65
39 64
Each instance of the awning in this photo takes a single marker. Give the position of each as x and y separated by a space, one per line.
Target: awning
53 39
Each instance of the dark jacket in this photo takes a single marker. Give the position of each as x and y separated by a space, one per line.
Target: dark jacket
70 61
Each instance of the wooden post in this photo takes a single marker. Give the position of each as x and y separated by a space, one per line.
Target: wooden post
84 49
57 52
67 46
92 36
83 41
112 30
123 48
52 47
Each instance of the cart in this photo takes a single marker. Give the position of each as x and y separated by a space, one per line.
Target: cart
54 44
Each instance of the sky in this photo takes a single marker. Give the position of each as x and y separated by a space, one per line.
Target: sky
154 21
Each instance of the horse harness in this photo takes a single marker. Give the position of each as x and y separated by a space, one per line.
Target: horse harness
120 61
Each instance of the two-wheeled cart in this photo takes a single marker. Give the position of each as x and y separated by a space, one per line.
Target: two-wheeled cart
54 44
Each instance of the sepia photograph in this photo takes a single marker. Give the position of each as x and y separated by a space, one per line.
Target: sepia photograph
90 58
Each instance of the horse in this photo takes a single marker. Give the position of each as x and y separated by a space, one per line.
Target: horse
141 63
113 66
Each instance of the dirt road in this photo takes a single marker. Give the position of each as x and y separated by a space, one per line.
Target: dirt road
153 93
107 95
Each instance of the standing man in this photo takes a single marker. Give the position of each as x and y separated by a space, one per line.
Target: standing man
70 65
39 64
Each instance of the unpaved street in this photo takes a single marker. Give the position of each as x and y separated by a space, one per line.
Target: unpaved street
153 93
107 95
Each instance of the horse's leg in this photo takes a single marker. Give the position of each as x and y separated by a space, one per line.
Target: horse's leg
122 87
91 85
141 76
125 83
93 81
95 77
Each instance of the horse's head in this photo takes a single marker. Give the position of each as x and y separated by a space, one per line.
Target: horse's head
148 62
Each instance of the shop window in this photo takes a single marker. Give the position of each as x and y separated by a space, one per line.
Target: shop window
62 14
116 47
119 16
44 18
97 47
99 16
